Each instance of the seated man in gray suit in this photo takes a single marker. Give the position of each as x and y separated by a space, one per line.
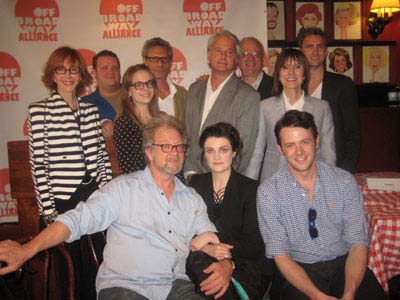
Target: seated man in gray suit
221 98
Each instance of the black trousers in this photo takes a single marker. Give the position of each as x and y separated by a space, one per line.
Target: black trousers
252 275
328 276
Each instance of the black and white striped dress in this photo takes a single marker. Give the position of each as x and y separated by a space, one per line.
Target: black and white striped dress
59 142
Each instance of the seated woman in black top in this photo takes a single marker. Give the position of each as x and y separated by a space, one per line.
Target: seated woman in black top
231 206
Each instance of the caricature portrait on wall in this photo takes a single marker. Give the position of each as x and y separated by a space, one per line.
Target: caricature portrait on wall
340 61
347 20
275 20
375 64
269 63
309 14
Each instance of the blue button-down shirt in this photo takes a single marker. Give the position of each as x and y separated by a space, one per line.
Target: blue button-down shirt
106 110
283 206
148 236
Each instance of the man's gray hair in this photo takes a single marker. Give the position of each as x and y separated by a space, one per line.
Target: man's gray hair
227 34
154 42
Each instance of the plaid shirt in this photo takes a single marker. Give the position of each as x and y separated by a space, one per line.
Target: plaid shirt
283 205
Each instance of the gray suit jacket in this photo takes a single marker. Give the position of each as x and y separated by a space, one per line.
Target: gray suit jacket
271 110
237 104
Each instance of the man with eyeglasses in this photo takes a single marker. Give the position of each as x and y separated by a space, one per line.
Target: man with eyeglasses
157 56
109 94
341 94
312 220
251 62
223 97
151 217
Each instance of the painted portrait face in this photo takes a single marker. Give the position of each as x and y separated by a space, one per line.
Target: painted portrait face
375 61
271 64
340 64
343 18
272 17
309 20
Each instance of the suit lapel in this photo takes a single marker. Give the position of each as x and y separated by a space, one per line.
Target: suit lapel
223 101
279 107
199 105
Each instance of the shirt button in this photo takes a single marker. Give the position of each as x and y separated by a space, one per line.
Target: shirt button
169 212
176 250
172 269
169 231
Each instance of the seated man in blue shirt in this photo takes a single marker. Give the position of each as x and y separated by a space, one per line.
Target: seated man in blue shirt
151 218
109 94
312 221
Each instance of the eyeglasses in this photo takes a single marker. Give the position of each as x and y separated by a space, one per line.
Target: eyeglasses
312 216
253 54
140 85
63 70
156 59
167 148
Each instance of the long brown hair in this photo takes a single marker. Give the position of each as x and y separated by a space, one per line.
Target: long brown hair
57 59
128 105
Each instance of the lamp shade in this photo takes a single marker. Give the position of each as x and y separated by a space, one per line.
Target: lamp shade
381 7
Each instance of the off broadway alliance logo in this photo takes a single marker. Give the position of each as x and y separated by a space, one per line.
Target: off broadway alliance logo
37 20
203 16
10 74
121 18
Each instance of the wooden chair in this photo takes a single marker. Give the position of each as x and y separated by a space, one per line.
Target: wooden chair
36 270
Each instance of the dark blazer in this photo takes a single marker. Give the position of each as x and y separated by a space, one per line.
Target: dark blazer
265 87
237 224
237 104
236 221
341 94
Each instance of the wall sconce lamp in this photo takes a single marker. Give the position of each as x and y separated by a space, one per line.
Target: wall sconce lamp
381 15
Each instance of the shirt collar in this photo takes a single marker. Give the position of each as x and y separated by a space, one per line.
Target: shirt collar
256 83
219 88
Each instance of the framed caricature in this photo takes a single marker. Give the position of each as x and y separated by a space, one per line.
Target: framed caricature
340 61
309 14
375 64
275 20
270 60
347 20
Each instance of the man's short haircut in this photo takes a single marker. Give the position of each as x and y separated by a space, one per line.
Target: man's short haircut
104 53
227 34
305 32
156 42
255 40
163 120
285 56
295 118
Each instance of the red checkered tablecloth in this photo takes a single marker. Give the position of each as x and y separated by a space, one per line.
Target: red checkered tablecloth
382 209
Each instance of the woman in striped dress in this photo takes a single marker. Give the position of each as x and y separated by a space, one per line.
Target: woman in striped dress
67 150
